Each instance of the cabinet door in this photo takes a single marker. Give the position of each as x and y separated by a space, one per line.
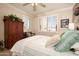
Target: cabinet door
20 27
19 36
10 41
12 27
6 29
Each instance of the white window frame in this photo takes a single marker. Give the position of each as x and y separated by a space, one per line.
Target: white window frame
25 28
47 30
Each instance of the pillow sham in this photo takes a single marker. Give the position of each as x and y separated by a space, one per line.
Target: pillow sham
68 33
53 40
67 40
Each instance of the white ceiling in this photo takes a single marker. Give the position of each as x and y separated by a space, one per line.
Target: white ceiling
49 7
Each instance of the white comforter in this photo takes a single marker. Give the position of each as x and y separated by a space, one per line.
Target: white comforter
35 46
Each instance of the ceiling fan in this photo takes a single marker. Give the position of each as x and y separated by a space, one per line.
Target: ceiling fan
35 5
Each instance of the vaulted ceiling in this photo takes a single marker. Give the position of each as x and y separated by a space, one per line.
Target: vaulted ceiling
49 7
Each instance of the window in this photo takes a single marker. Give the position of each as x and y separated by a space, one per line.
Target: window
26 23
48 23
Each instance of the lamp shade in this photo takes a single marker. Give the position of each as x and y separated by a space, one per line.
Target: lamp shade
71 26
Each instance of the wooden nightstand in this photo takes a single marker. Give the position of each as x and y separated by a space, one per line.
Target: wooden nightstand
5 52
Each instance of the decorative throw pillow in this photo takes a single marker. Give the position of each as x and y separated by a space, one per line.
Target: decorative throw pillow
53 40
67 40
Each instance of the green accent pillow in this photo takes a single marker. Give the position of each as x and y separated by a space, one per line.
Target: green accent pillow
69 38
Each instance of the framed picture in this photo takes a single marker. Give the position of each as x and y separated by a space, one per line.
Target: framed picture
64 23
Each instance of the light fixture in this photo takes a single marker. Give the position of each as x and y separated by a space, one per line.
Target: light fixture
34 4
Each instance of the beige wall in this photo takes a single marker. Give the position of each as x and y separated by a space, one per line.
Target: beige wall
61 14
6 9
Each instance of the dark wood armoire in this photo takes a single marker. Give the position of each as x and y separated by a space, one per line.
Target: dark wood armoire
13 32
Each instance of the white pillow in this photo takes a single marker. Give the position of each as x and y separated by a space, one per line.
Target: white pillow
53 40
77 52
76 46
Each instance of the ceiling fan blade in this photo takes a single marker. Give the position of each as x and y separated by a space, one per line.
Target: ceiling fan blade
34 7
41 4
25 4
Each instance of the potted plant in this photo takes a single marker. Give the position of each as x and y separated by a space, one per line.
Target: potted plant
13 17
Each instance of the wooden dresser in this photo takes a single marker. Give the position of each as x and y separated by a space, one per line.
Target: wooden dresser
13 32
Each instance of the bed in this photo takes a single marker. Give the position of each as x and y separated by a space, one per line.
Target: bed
34 46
